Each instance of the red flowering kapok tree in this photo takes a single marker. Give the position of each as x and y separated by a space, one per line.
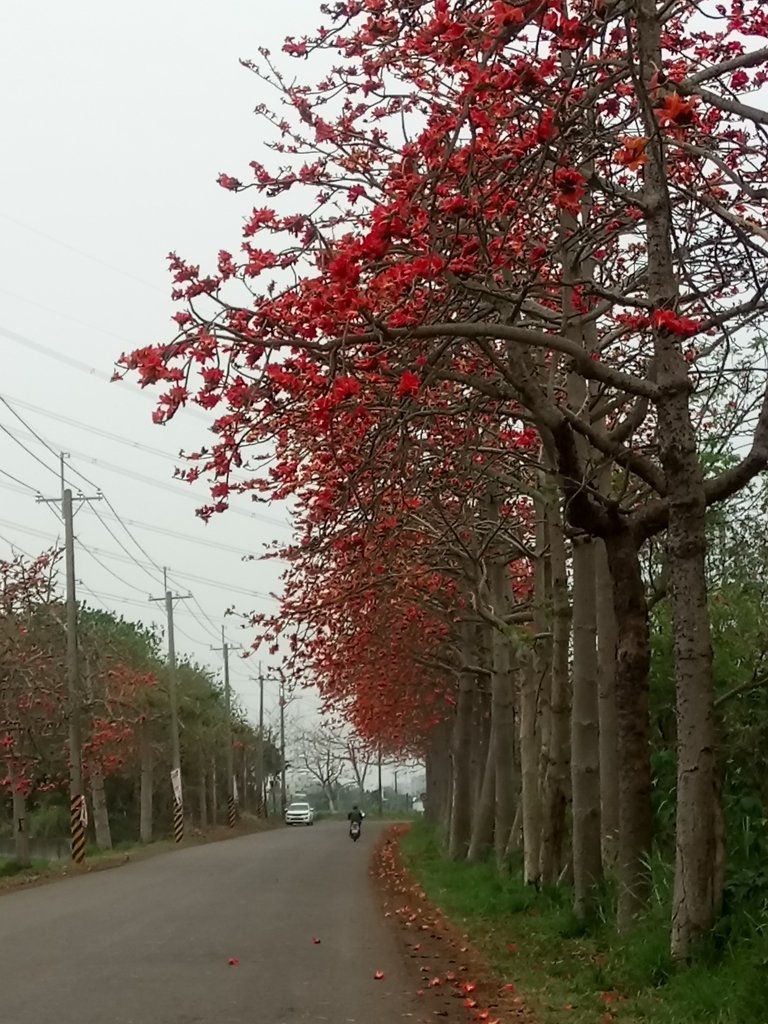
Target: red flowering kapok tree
557 210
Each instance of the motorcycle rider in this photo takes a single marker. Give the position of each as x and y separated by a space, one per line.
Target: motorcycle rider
356 816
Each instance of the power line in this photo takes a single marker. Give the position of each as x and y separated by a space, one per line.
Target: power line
66 316
90 371
211 629
137 524
21 483
51 353
117 540
91 483
16 440
180 489
131 561
91 429
198 541
83 253
14 547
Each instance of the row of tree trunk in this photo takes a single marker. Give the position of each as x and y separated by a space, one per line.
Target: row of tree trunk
204 788
548 749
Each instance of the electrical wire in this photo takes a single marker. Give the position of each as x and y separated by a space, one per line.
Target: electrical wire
81 252
21 483
91 429
16 440
94 553
178 489
25 488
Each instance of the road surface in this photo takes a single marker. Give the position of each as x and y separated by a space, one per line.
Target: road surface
150 942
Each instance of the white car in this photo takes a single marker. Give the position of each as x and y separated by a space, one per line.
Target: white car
299 814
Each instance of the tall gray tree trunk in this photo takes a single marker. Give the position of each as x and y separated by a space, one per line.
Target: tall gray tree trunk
98 793
529 772
632 664
461 751
535 691
515 842
503 732
485 808
203 794
695 898
20 820
555 783
438 807
476 749
481 736
607 641
585 738
244 787
214 795
146 783
100 809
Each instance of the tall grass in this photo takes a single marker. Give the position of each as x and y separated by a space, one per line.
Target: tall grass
567 972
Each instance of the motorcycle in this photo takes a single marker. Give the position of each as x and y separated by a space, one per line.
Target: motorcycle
354 831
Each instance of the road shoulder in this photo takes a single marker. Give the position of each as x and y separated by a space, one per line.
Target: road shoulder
118 858
450 977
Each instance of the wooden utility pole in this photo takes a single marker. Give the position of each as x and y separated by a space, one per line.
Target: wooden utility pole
78 812
178 795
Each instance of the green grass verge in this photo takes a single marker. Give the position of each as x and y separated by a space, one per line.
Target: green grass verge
14 875
566 974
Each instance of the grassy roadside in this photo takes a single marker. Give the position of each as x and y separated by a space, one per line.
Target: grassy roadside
12 876
565 975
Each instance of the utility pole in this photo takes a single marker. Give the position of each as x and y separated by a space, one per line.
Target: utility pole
231 795
178 796
78 809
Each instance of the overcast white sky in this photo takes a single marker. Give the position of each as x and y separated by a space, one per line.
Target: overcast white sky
116 121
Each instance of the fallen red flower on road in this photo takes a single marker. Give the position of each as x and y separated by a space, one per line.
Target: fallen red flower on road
379 976
234 962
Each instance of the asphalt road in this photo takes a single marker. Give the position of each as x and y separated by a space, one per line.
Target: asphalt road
150 942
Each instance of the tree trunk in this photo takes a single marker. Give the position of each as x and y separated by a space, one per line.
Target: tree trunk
555 795
632 664
485 808
585 737
244 793
438 807
461 749
476 750
534 705
214 795
543 665
146 783
481 738
505 664
609 748
203 794
100 810
695 898
529 772
20 820
515 842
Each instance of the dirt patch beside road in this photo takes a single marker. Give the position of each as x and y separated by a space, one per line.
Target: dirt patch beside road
450 977
57 872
